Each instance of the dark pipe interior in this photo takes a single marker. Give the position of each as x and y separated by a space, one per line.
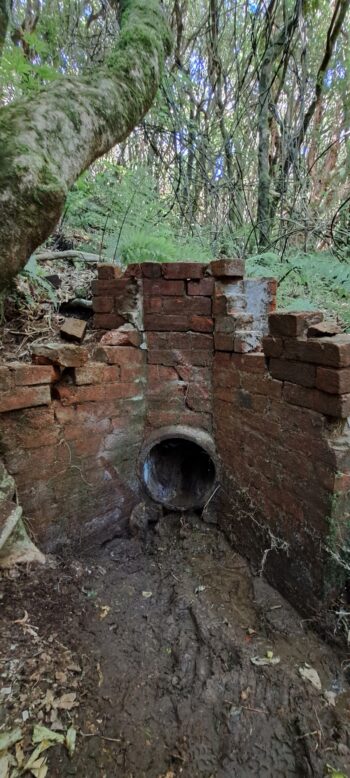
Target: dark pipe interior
179 473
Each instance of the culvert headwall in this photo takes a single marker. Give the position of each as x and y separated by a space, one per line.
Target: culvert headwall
187 345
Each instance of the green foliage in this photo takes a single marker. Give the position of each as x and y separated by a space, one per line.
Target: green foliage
34 274
308 281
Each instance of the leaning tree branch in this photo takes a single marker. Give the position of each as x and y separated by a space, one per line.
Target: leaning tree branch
48 140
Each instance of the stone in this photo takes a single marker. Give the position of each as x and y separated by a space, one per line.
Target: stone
67 355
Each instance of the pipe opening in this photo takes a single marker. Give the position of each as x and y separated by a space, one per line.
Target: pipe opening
178 473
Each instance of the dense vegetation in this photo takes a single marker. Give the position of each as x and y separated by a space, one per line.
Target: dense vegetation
246 149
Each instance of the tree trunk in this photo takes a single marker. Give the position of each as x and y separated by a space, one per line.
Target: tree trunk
48 140
4 20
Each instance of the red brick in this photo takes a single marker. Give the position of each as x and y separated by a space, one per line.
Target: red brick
203 287
254 362
25 397
292 324
73 329
190 305
198 398
154 304
107 321
201 324
158 373
224 342
151 269
220 303
333 351
119 355
227 268
126 335
328 404
103 304
247 340
260 384
96 373
132 373
295 372
272 347
111 288
65 355
181 340
190 373
134 270
158 288
108 272
29 375
166 322
333 381
70 395
162 418
173 357
186 270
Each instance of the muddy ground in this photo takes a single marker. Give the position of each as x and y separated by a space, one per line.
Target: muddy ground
153 640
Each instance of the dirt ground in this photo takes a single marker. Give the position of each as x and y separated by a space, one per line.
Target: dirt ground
145 645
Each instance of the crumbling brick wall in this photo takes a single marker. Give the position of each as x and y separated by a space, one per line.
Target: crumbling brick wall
201 346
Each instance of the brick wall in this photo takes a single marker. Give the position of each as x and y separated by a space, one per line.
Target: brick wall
201 346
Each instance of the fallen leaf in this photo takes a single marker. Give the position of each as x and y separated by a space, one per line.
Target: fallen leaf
8 739
39 768
71 737
309 674
41 733
66 702
4 766
43 746
147 595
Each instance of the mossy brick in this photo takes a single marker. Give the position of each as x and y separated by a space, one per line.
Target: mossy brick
96 373
296 372
292 324
185 270
332 351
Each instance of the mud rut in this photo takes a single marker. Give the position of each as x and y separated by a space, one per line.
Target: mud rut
167 672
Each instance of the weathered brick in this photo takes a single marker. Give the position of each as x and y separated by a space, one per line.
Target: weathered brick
254 362
103 304
111 288
261 384
333 351
158 373
333 380
96 373
246 341
158 288
24 397
69 394
126 335
194 305
67 355
186 270
272 347
201 324
173 357
223 341
161 418
203 287
73 329
153 304
166 322
190 373
227 268
29 375
295 372
181 340
151 270
328 404
324 329
198 398
292 324
119 355
107 321
134 270
133 373
108 272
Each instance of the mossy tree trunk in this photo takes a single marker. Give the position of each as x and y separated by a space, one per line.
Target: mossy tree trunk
48 140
